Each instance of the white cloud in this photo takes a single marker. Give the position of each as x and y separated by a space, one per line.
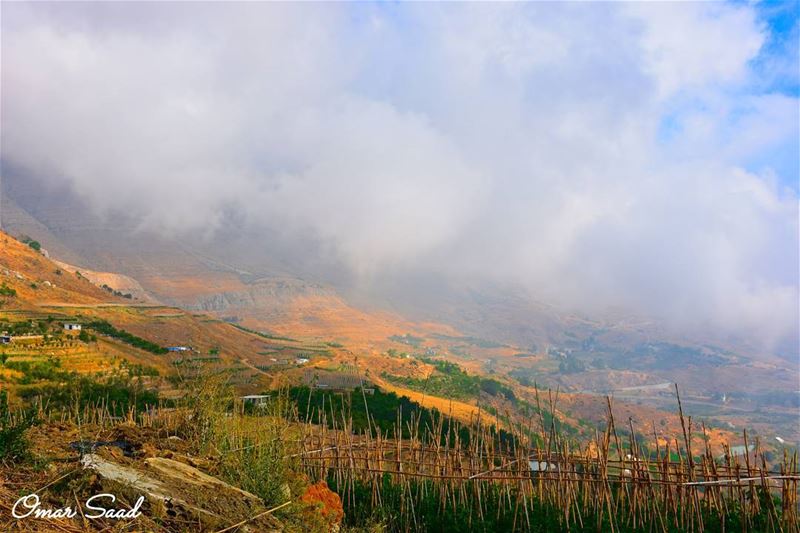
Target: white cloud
696 43
519 142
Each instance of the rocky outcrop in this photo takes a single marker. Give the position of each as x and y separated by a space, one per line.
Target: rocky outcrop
175 491
264 293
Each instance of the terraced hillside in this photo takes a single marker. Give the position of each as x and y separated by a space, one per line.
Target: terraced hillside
121 336
433 365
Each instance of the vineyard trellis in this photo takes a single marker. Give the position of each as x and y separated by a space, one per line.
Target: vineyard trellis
600 485
528 477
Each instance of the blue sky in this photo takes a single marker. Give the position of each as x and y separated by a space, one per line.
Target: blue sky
783 22
778 67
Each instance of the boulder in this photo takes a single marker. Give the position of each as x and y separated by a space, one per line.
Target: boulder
179 492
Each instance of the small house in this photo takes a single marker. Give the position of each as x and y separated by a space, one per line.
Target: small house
255 400
5 339
541 466
72 328
301 361
179 349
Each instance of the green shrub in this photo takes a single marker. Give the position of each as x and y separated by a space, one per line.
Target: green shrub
34 244
495 388
118 393
33 371
447 381
103 327
5 290
13 444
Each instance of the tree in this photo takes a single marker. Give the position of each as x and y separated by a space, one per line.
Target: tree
33 244
5 290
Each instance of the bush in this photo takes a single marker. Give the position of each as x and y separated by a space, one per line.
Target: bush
262 462
495 388
260 469
448 381
101 326
33 371
34 244
119 394
13 444
5 290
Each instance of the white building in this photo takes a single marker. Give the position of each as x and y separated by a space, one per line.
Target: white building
257 400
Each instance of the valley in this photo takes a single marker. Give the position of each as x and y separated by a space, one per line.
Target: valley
271 333
335 385
167 327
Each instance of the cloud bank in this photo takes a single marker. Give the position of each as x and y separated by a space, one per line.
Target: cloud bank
641 156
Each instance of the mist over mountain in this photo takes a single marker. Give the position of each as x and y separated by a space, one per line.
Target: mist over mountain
508 169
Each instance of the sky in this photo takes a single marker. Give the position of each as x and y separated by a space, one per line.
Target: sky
641 156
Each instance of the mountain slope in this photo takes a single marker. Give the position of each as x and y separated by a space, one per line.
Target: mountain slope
37 279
